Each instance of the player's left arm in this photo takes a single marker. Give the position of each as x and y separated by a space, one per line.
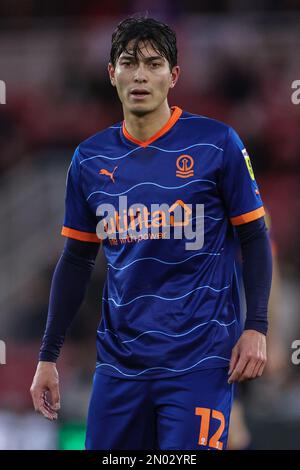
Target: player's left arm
245 210
249 356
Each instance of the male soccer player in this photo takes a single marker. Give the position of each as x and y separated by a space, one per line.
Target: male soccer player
170 343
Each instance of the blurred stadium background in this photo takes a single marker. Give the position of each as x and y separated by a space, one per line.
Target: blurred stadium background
238 62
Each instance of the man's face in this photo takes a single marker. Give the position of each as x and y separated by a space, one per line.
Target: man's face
142 85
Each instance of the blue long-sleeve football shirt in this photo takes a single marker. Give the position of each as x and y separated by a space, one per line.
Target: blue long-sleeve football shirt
166 310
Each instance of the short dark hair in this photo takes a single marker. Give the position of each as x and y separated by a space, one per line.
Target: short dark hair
160 35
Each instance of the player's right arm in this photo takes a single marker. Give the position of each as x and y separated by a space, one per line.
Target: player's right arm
69 283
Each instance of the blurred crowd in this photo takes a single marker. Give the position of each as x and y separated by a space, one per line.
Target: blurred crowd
53 59
32 9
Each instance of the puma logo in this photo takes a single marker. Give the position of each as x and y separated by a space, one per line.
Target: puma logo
106 172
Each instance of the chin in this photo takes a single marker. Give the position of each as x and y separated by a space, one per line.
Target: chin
142 109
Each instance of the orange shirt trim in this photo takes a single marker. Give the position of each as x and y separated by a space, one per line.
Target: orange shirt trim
78 235
173 119
248 216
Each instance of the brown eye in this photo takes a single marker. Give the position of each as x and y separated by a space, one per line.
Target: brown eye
127 63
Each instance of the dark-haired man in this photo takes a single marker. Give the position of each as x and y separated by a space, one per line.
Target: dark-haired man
170 343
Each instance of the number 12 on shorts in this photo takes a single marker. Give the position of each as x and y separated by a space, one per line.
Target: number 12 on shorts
206 415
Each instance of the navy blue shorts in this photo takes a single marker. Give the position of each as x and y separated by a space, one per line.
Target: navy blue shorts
186 412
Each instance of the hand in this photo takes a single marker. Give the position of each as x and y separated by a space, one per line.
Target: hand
46 382
248 357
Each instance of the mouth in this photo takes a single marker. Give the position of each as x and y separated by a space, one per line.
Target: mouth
139 94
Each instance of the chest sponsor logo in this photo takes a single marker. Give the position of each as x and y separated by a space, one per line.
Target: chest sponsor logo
139 222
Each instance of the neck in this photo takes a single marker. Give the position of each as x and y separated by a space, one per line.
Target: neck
144 127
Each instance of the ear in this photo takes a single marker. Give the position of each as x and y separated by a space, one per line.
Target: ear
174 75
111 73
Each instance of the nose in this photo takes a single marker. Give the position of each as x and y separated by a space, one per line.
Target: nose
140 74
